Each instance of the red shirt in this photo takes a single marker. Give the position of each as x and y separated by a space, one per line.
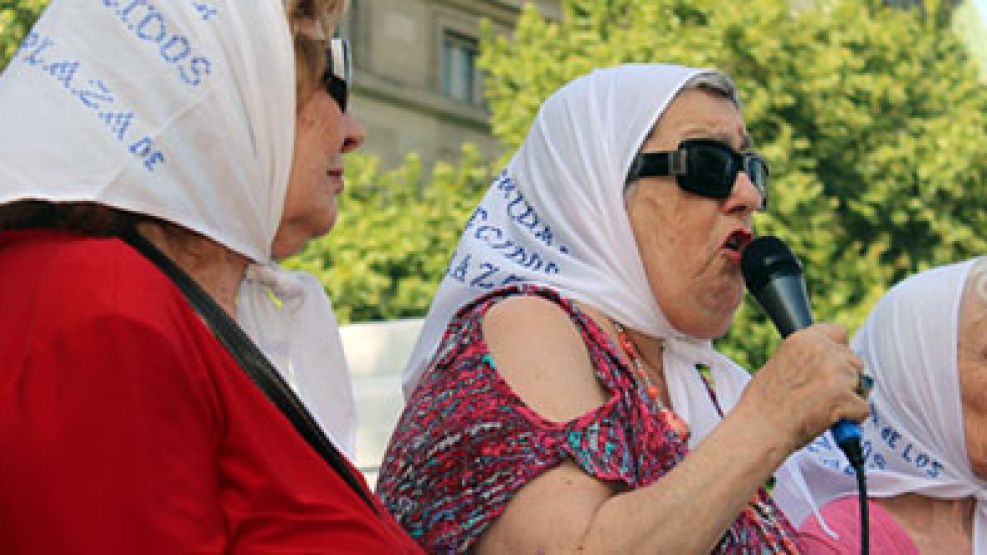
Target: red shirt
125 427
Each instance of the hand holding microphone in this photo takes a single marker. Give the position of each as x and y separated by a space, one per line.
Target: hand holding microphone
774 277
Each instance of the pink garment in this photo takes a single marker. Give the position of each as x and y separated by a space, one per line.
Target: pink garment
843 517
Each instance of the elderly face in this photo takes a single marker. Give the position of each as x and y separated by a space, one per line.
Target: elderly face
690 245
973 369
322 134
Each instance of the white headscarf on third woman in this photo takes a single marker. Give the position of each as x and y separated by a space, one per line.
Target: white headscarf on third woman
914 439
184 111
556 216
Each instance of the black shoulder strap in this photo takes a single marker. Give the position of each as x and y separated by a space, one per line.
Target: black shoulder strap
252 360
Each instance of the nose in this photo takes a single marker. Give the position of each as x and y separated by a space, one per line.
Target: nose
744 198
355 134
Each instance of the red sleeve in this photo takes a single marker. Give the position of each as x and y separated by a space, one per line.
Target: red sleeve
109 441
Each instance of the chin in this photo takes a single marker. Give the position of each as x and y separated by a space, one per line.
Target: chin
290 244
330 223
280 252
721 319
710 327
714 330
706 317
318 223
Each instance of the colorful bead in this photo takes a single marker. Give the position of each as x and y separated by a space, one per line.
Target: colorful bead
652 391
675 423
637 365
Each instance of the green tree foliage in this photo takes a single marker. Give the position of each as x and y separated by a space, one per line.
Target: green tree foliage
16 18
394 235
871 117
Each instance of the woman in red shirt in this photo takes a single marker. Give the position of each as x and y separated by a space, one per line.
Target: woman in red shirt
210 134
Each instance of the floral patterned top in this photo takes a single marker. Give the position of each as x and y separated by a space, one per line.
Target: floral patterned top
466 443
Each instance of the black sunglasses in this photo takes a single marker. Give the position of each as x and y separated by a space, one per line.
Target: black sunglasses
338 71
705 167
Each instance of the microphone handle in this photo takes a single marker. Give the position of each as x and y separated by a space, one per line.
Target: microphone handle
789 317
847 435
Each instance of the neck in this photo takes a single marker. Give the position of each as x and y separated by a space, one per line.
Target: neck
650 349
217 269
934 524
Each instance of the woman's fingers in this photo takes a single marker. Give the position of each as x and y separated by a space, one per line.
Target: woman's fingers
811 382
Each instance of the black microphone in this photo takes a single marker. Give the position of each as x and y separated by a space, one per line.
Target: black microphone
774 276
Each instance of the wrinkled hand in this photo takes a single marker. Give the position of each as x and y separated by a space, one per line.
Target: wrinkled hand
807 386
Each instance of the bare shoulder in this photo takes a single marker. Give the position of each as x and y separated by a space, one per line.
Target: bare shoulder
539 352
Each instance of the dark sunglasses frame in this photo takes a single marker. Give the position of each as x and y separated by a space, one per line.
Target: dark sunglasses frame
338 71
705 167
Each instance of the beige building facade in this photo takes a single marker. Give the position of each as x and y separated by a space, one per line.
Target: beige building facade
416 84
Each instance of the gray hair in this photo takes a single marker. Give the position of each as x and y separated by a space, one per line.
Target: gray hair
713 82
977 280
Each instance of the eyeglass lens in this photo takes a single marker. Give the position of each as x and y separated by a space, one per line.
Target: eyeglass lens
713 168
337 72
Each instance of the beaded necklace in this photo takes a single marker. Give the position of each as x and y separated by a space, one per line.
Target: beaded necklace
637 363
664 414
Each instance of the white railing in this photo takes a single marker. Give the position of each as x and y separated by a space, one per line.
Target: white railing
377 353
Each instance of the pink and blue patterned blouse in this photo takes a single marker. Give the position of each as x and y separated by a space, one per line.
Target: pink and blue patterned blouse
466 443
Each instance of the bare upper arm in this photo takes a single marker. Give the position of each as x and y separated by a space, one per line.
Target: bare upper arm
538 351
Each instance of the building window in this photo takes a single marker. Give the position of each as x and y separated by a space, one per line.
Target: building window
460 77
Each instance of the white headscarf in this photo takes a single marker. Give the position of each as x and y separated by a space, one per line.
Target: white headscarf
914 439
183 110
557 217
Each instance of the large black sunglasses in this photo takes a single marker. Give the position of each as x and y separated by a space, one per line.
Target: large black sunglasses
705 167
338 71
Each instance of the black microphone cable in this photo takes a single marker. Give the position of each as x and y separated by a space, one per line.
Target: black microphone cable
864 510
855 455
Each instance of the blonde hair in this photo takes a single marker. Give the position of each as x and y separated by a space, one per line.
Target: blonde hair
312 24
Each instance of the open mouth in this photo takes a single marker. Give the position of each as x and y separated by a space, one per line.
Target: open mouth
738 240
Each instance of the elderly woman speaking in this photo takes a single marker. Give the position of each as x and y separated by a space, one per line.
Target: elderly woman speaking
574 400
155 157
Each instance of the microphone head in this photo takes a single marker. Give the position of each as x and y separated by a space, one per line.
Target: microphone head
765 259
